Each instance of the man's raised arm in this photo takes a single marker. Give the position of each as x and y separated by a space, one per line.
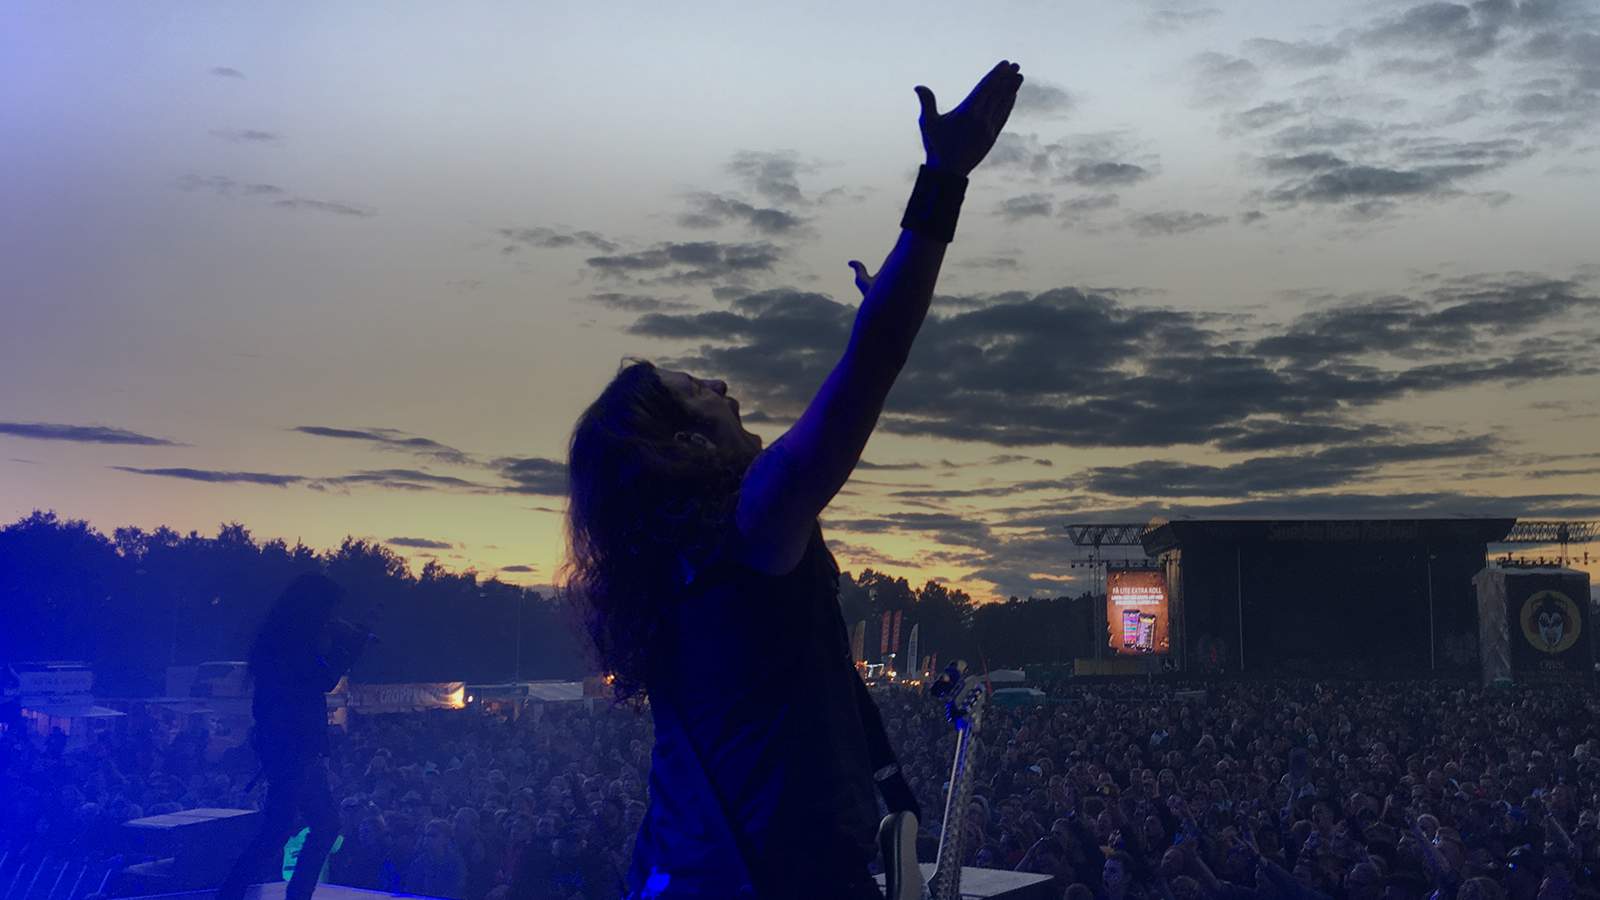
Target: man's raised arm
794 479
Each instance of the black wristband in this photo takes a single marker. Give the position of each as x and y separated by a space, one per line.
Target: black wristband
935 204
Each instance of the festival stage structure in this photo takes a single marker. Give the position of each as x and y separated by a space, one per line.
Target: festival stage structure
1305 596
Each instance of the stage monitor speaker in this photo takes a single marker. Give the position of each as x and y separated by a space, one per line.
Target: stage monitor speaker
202 844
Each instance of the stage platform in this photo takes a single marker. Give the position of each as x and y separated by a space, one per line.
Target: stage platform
996 883
273 890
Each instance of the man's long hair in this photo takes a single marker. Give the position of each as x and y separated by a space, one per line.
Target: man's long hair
642 501
295 618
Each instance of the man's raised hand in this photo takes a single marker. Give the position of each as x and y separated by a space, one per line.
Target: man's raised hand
958 140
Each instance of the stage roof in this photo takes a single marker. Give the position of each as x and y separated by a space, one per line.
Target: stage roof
1190 532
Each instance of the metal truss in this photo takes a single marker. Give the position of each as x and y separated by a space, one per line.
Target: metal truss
1111 535
1541 531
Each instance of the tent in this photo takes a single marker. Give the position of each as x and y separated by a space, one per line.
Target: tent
80 721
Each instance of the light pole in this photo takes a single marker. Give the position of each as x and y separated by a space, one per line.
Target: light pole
1433 660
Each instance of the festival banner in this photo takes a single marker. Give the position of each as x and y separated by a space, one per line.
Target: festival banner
1536 627
884 634
911 653
392 698
1549 615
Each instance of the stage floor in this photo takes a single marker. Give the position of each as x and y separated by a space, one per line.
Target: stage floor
273 890
985 882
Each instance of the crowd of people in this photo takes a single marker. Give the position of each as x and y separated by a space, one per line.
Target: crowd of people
1236 791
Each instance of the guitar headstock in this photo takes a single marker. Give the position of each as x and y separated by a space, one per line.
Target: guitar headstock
962 692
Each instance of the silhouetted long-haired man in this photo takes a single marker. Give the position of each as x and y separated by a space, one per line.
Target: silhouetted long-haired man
697 561
299 654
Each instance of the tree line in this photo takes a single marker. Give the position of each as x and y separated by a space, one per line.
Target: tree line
135 602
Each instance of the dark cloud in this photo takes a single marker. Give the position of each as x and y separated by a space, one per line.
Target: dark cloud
80 434
391 439
1091 160
400 480
891 467
550 238
1367 182
635 302
1414 504
999 459
1173 222
216 477
1043 99
1025 154
1265 115
420 543
1106 173
533 475
224 186
1304 162
1087 203
1400 137
246 135
1499 152
218 184
1332 467
1171 20
1220 78
988 262
863 555
1325 133
1424 167
1439 69
1066 367
772 174
946 528
847 195
327 206
997 490
1575 101
714 211
1257 434
1453 28
518 568
1465 316
1300 54
698 261
226 72
1026 206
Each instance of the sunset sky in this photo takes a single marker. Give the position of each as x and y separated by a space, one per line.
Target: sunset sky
354 269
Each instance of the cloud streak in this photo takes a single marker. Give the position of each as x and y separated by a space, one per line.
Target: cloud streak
392 440
80 434
420 543
212 476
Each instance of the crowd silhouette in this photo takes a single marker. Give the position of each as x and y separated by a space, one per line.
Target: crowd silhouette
1287 790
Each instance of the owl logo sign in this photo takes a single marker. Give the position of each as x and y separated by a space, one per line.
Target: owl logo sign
1551 622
